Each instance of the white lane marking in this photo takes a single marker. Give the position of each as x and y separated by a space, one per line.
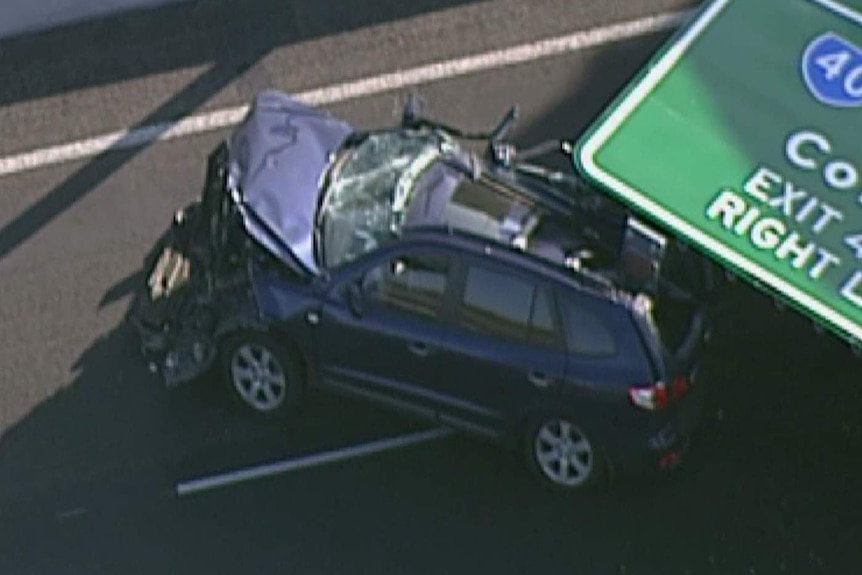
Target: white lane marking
200 123
232 477
70 513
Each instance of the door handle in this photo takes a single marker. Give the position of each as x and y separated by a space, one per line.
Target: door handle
539 379
419 348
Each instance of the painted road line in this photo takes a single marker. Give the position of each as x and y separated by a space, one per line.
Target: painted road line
200 123
70 513
314 460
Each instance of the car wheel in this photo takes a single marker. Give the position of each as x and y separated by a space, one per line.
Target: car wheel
561 455
263 374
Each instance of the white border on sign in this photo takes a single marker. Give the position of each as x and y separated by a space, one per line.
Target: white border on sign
634 98
840 10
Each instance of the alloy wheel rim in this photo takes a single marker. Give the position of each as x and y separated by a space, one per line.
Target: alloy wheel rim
563 453
258 377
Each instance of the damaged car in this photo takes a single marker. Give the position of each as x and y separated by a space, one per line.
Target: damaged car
446 274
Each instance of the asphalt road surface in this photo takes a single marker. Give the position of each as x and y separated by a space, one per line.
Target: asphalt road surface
93 450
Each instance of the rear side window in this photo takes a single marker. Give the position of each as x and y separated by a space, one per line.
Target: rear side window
586 333
498 304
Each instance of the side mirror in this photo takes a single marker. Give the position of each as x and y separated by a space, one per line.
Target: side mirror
355 298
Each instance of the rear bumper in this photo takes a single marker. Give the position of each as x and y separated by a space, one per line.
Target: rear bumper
669 446
664 443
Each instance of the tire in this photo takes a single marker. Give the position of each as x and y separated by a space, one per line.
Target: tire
263 374
561 455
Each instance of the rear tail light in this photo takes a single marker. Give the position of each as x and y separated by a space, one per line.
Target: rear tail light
659 395
669 460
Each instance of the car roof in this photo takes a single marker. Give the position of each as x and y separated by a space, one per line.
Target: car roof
500 253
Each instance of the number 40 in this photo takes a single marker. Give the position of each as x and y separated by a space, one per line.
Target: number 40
835 66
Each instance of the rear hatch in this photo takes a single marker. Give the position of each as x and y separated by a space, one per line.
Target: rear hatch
676 286
674 321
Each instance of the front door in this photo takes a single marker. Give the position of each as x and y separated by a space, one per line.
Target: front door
380 330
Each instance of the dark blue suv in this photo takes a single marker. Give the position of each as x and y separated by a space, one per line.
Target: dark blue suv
480 291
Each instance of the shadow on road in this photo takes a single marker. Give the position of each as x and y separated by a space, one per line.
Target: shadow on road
121 47
189 33
771 486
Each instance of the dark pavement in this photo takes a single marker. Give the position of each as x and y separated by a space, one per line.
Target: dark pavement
91 448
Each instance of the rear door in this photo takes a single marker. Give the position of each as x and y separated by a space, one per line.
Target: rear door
504 351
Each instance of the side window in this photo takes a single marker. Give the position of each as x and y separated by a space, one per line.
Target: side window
543 331
411 283
501 305
586 333
497 304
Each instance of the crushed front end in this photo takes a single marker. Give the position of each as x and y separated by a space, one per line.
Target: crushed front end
199 280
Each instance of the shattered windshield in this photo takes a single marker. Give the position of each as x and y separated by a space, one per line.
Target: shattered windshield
365 200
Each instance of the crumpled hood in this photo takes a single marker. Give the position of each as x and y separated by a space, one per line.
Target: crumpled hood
278 156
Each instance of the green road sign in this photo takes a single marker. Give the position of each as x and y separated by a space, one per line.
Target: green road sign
744 135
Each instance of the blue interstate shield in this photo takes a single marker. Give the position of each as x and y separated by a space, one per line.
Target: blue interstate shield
832 68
